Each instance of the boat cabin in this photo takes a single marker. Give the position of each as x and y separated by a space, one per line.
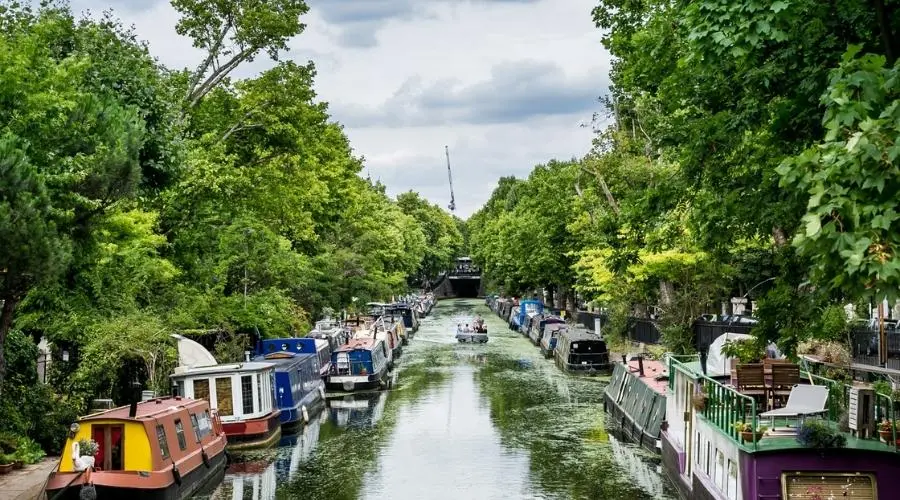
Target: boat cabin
361 363
242 393
743 439
298 381
551 336
581 351
539 323
159 448
304 345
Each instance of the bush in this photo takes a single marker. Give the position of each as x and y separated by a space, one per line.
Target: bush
815 433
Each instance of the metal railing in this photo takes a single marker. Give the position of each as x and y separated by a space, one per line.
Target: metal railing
724 406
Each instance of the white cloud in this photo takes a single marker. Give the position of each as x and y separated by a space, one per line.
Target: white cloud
504 83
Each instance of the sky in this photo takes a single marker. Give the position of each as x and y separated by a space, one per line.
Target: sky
506 84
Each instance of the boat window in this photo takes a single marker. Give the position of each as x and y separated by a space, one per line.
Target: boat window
720 470
731 487
201 389
163 443
829 484
205 424
179 433
224 398
708 456
109 446
180 390
196 426
259 390
247 393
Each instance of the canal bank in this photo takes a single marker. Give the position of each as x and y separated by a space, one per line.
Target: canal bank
462 421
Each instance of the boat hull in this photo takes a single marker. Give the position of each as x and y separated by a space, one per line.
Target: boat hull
479 338
350 383
157 485
293 416
252 434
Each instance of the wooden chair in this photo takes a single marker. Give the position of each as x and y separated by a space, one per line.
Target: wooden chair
784 377
751 381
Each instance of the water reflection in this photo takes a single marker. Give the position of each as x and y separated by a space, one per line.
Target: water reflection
357 410
633 462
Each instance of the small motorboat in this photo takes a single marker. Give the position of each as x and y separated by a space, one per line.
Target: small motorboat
472 332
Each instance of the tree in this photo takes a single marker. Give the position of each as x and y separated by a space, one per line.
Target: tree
443 240
70 151
233 32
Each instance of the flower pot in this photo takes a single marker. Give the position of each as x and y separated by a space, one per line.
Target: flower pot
5 468
750 437
886 436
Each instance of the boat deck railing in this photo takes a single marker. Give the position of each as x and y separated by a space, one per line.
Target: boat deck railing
724 406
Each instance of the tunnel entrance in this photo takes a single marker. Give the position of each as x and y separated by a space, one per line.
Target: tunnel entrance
465 287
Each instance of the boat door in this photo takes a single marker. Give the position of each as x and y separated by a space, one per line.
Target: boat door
109 446
343 362
687 390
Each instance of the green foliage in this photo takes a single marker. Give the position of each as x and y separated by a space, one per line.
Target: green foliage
818 434
137 201
851 221
745 350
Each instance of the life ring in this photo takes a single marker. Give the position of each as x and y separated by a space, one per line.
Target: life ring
176 474
305 414
205 458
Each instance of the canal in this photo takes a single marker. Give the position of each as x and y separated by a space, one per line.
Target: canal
474 421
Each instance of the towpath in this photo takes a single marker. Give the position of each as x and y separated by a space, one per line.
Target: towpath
27 483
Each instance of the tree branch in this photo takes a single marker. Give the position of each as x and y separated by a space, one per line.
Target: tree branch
216 77
210 59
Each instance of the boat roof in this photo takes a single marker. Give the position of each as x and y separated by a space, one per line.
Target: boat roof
358 343
148 409
252 366
580 336
283 357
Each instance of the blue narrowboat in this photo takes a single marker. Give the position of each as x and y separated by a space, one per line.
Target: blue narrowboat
298 384
407 312
362 363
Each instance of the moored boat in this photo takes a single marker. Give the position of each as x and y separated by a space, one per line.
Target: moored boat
359 364
578 351
539 323
243 395
163 448
550 337
299 388
744 441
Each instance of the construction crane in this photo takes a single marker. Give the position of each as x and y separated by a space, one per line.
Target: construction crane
452 205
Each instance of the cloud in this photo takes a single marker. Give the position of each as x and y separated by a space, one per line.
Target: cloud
515 91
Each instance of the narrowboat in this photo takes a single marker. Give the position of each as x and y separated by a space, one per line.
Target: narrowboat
581 352
735 442
550 337
244 396
361 363
528 309
386 332
163 448
333 331
538 323
299 388
513 318
408 313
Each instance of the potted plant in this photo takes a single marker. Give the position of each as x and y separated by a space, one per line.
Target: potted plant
6 464
816 433
87 447
745 429
886 430
18 458
744 350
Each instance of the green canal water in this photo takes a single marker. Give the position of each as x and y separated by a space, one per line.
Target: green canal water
470 421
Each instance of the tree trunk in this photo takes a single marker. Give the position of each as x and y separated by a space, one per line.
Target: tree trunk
6 317
884 14
780 238
666 292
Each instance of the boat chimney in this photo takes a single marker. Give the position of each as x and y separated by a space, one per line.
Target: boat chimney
597 327
704 351
133 410
247 356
